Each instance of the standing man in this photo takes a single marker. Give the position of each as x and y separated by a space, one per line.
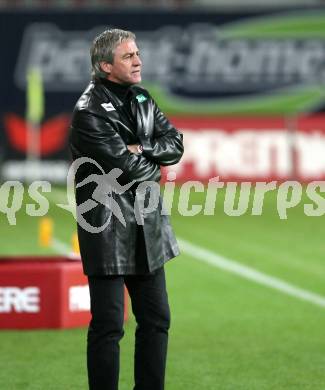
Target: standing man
118 124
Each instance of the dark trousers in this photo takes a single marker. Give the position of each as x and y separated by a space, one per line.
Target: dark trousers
151 310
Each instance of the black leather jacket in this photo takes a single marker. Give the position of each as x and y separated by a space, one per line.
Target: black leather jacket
101 130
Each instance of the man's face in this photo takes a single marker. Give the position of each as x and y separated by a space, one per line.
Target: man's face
126 67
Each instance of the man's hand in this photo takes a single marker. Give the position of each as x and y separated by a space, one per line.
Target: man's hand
135 148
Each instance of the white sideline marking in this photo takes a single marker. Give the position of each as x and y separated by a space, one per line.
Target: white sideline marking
64 249
60 246
246 272
225 264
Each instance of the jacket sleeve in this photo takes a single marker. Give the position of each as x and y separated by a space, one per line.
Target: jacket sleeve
166 145
92 136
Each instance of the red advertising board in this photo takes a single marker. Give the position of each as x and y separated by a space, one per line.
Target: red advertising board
49 292
251 148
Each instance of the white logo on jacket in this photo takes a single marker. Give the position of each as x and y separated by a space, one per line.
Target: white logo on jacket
108 106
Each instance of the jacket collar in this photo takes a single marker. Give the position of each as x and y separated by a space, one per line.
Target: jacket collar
108 92
119 90
139 104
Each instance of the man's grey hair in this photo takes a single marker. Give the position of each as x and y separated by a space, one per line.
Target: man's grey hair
103 48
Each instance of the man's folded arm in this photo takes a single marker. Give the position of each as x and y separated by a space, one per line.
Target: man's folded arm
92 136
166 147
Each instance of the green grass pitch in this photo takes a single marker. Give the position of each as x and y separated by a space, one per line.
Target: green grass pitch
227 333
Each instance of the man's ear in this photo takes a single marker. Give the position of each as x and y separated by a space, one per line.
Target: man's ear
106 67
